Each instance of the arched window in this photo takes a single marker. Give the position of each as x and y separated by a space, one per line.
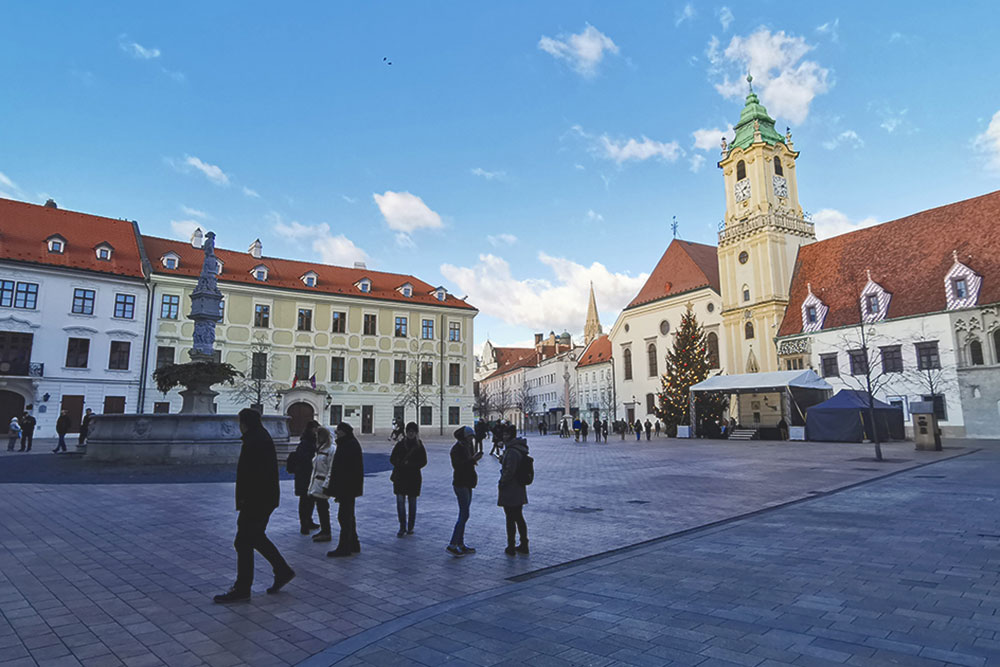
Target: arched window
777 167
748 330
651 352
712 343
741 170
627 356
746 293
976 353
996 346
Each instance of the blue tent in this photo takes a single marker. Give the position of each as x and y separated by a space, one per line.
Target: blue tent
845 418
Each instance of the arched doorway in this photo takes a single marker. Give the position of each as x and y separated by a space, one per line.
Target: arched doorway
11 405
301 414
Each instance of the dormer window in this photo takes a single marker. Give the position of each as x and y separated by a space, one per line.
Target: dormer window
440 294
170 261
104 253
871 305
309 279
56 243
813 312
961 285
364 285
218 266
874 301
960 288
260 273
406 289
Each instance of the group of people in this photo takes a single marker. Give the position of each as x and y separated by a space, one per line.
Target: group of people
331 466
23 429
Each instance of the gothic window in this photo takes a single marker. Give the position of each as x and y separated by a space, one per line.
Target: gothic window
976 353
627 356
777 167
651 352
748 330
996 345
741 170
712 342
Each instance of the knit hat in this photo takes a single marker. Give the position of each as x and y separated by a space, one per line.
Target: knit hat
346 428
464 433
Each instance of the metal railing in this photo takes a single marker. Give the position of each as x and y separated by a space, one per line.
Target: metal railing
774 221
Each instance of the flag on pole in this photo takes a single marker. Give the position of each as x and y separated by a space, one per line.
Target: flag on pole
312 381
295 381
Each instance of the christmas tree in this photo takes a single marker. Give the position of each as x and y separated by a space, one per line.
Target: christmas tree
687 364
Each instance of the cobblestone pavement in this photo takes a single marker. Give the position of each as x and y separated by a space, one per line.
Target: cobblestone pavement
112 574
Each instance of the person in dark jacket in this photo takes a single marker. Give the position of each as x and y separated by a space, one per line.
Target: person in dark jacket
347 483
85 427
302 469
584 429
464 458
407 458
480 434
62 428
511 494
638 429
257 495
28 424
649 429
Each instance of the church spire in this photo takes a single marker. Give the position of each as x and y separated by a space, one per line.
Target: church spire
592 329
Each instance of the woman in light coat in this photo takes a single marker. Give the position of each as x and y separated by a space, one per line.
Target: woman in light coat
13 433
321 464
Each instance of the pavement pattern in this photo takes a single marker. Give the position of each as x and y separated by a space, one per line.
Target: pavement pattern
122 574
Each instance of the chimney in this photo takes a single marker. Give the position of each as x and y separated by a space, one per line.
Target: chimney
50 203
538 339
197 238
256 249
360 265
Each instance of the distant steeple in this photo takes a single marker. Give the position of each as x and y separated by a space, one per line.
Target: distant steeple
592 329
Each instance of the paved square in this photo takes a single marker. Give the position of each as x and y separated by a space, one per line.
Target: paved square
110 574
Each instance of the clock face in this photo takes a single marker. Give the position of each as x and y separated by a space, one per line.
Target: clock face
780 186
742 190
744 256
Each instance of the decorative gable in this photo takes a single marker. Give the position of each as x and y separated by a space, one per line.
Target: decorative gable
364 285
961 285
170 260
56 243
104 250
259 272
813 312
309 278
406 289
874 301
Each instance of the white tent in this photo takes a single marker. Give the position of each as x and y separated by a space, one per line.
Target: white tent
761 382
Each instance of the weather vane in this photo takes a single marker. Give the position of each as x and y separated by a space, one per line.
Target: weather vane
673 226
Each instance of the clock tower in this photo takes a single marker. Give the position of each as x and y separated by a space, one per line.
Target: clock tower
761 235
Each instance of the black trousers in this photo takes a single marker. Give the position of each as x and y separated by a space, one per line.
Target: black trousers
306 504
250 537
26 439
348 526
516 523
323 510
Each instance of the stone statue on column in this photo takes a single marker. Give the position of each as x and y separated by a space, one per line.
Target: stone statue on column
206 304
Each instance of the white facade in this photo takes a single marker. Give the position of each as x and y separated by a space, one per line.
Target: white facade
553 385
93 380
596 391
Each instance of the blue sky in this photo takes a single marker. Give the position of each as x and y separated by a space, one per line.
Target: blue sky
513 152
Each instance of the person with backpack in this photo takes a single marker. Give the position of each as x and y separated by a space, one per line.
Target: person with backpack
464 458
516 473
407 458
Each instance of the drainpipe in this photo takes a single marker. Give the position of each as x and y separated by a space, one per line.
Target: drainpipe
441 378
146 335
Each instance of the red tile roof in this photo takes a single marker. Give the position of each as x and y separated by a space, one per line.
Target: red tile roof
512 358
597 352
287 273
685 266
24 229
908 257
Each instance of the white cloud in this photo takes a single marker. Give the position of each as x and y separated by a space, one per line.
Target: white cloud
583 51
831 29
787 84
557 302
10 189
183 229
210 171
988 143
349 200
333 249
624 151
405 212
594 216
686 13
894 120
501 240
697 162
726 17
489 175
847 137
707 139
253 194
831 222
193 212
579 167
136 50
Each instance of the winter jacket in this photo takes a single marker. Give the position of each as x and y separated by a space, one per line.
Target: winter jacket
463 462
14 428
257 489
407 458
321 465
480 429
28 424
303 456
347 474
584 428
511 493
62 425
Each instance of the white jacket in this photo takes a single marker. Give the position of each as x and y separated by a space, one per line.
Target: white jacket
322 463
14 427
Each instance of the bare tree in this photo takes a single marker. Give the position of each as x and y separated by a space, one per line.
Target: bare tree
868 370
482 404
256 386
501 398
416 390
523 399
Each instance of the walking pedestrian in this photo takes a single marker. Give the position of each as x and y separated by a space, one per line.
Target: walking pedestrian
656 427
480 434
302 468
604 430
257 496
28 424
347 483
62 428
497 439
321 464
584 429
88 416
407 458
649 428
13 432
638 430
464 479
512 495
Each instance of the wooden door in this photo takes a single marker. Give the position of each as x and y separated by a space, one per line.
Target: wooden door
114 405
73 405
367 418
11 405
301 414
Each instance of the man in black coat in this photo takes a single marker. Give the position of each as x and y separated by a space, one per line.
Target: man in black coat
302 467
27 431
257 494
62 428
347 483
